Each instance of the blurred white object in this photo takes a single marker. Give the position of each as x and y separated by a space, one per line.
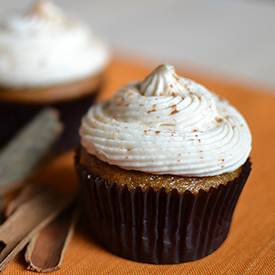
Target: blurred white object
45 46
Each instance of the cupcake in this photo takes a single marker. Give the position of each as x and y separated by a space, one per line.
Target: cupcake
48 58
161 166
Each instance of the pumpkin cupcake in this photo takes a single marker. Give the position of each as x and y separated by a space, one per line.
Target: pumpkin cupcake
48 57
161 166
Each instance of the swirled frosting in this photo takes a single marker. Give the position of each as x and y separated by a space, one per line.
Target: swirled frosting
167 124
46 47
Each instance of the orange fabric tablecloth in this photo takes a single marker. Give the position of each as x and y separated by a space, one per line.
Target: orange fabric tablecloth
250 246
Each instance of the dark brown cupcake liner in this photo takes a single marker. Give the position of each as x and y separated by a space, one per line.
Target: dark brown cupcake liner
13 116
159 227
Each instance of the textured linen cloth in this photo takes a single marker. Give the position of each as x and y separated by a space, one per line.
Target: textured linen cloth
250 245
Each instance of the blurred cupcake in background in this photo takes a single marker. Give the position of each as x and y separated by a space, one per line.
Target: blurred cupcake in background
48 57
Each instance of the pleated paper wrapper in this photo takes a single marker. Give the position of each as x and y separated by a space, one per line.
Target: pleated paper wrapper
159 227
16 115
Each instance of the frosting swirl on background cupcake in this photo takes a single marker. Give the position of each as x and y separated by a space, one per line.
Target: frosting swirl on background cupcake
46 47
167 124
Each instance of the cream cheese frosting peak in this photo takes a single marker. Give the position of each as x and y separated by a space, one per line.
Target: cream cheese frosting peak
47 46
167 124
164 82
47 11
